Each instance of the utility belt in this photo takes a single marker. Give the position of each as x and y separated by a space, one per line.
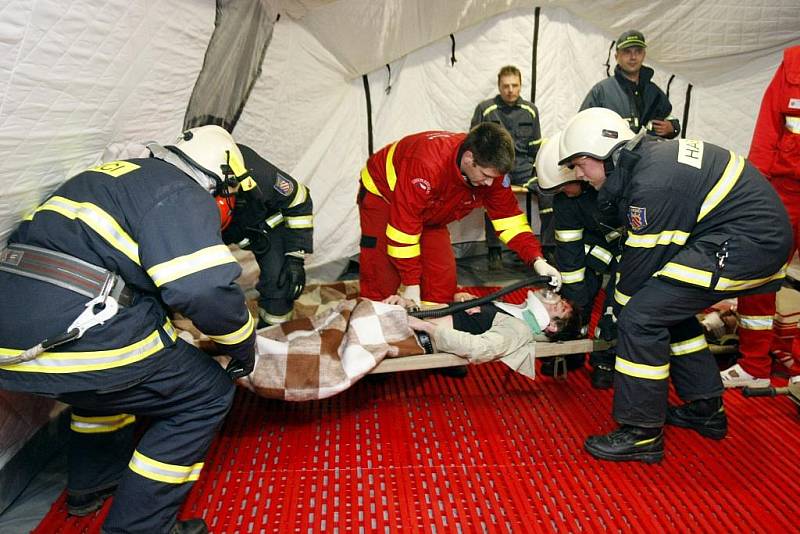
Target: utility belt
105 289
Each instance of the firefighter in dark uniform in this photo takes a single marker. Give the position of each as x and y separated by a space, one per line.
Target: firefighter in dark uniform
587 250
703 226
273 218
521 119
134 239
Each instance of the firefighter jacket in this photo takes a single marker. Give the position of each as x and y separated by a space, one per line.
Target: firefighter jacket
521 120
637 103
697 215
583 242
775 149
268 199
420 180
150 223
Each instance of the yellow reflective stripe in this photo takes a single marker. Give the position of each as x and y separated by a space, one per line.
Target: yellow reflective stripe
99 425
391 175
237 336
529 109
301 221
639 370
509 223
489 109
573 277
248 183
727 284
601 254
793 124
181 266
612 235
369 183
401 237
645 441
755 322
274 319
78 362
536 141
545 211
690 275
666 237
566 236
687 346
162 472
411 251
274 220
621 297
300 196
723 186
98 220
508 235
236 165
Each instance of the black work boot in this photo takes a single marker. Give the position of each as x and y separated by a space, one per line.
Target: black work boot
189 526
81 504
705 416
602 377
628 443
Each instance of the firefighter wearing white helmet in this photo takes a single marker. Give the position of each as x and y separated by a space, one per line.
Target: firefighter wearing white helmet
703 225
141 237
587 247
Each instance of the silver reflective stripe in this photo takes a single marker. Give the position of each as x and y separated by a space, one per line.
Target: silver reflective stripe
756 322
164 472
640 370
688 346
100 424
181 266
274 220
567 236
601 254
301 221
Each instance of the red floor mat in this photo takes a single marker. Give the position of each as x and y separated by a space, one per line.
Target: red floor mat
491 452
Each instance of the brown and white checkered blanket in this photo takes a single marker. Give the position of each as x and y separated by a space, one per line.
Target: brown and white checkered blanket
320 356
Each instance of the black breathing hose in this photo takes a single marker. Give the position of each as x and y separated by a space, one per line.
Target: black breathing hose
459 306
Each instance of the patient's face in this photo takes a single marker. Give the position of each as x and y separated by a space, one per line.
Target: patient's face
560 309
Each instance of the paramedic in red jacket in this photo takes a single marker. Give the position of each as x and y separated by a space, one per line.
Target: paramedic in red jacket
775 151
411 189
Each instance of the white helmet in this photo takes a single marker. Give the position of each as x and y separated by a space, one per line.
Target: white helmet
550 174
212 150
593 132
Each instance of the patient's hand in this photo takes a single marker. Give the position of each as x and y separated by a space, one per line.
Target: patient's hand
420 324
397 300
463 296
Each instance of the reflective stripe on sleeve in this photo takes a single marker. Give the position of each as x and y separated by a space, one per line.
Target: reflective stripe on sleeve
101 424
181 266
695 344
573 277
300 196
640 370
237 336
690 275
621 297
369 183
391 175
728 284
274 220
411 251
667 237
163 472
567 236
301 221
601 254
401 237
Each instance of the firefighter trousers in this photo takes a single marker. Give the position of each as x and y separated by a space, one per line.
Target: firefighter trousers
660 338
184 404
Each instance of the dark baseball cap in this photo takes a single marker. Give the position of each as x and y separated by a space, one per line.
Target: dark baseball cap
631 38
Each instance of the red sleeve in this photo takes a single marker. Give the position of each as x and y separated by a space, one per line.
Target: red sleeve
501 205
769 125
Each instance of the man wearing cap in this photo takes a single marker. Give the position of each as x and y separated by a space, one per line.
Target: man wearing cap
632 93
703 225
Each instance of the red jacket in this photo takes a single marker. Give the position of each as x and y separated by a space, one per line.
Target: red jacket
775 149
426 189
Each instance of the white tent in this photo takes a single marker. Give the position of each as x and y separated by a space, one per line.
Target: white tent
84 80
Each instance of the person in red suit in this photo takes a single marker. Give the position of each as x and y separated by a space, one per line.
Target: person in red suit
775 151
411 189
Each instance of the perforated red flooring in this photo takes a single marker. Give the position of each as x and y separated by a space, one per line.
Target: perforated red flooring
491 452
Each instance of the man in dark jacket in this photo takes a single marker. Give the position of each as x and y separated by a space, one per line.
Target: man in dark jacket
703 225
520 118
88 282
631 91
272 217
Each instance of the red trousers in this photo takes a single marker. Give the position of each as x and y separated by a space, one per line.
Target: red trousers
379 276
757 311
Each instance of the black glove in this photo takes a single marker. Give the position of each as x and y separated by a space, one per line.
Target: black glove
293 277
607 325
243 360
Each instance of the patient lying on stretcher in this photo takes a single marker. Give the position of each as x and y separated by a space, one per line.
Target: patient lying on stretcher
319 356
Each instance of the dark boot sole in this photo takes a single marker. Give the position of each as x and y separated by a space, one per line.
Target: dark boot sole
706 432
648 457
